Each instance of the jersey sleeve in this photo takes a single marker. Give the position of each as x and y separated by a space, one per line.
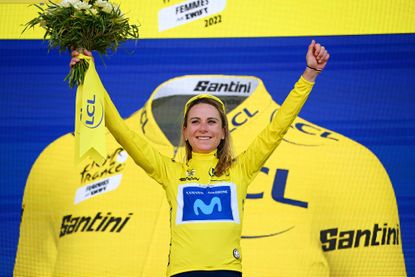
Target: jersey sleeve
143 154
356 216
37 250
265 143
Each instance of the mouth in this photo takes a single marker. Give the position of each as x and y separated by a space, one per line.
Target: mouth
203 137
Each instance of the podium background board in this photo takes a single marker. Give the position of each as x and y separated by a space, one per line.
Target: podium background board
366 93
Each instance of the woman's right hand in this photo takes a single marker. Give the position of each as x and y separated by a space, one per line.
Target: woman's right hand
75 54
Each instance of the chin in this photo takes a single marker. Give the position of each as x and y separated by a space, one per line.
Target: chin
205 149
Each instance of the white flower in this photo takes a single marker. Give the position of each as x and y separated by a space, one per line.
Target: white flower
100 3
104 5
94 11
67 3
108 8
82 6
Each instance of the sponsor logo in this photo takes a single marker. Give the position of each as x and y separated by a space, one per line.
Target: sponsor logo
97 188
335 239
217 85
190 176
98 223
223 177
310 130
242 117
187 179
236 254
207 209
190 172
278 195
278 189
208 86
187 12
114 163
198 203
94 113
314 131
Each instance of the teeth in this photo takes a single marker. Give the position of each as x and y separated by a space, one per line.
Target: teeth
203 138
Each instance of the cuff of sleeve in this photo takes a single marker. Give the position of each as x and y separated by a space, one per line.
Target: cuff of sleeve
302 79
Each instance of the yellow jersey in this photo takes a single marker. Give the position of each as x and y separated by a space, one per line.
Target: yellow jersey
207 211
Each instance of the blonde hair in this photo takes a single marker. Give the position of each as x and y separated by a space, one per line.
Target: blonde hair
224 149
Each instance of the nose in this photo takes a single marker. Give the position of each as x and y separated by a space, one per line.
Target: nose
203 127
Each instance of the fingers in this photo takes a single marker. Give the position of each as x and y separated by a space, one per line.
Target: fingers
322 56
320 53
317 57
73 62
311 46
326 58
75 54
87 53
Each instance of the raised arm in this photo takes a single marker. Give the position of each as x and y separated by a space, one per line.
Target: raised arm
136 145
262 147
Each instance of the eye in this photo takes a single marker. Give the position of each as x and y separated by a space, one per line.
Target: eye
194 121
212 121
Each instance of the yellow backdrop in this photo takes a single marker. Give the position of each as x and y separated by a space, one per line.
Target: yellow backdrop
232 18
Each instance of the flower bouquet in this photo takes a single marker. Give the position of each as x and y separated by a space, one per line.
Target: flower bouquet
83 24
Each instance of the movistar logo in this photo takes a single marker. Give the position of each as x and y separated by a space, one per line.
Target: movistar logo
197 203
207 209
204 86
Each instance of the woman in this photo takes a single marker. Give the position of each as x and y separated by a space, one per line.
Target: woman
206 192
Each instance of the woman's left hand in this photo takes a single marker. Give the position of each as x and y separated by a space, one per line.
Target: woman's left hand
317 56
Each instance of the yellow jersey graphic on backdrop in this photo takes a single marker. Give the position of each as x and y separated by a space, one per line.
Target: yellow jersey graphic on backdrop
322 205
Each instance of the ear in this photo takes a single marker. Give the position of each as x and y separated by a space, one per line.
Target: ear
184 133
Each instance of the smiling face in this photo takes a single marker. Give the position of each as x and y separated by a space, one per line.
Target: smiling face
203 129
